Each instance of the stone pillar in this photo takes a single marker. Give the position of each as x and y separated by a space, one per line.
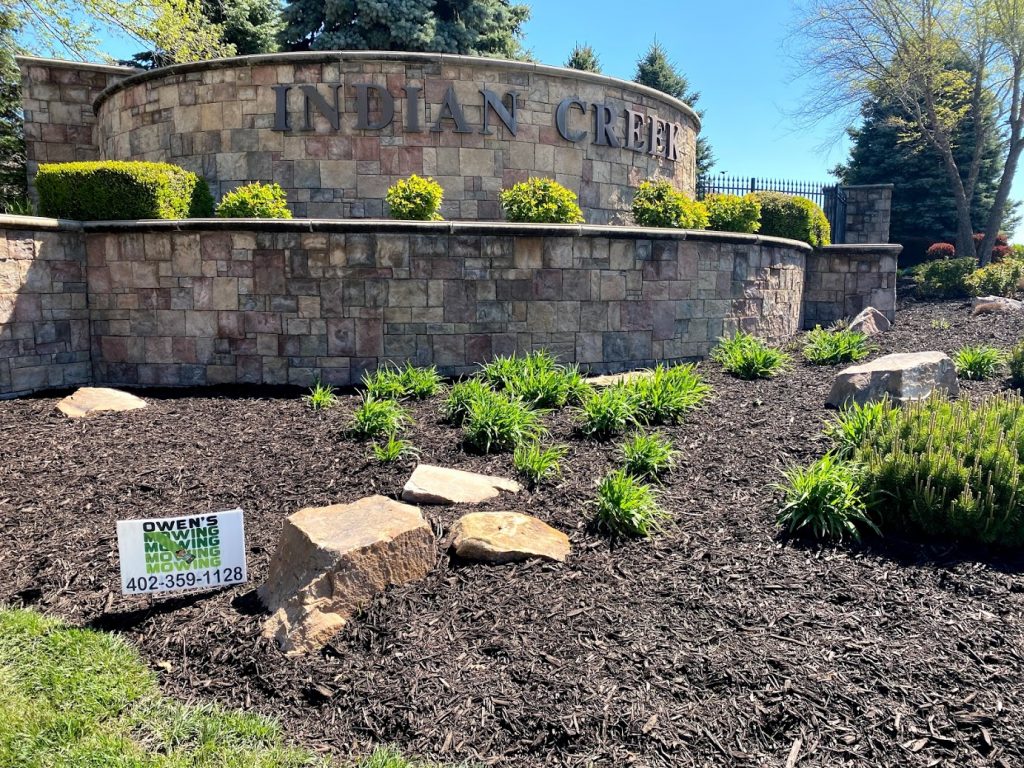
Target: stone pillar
57 97
868 213
842 280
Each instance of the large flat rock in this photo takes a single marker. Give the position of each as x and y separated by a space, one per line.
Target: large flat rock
613 379
331 561
901 377
506 537
439 485
89 401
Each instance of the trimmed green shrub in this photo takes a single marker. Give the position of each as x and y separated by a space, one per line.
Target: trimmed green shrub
979 362
607 413
114 190
538 464
824 500
732 213
541 201
944 278
842 345
627 507
658 204
495 423
255 201
747 357
795 218
996 279
415 199
647 457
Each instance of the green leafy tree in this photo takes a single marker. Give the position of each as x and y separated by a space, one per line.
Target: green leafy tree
13 190
75 28
656 71
468 27
584 58
251 26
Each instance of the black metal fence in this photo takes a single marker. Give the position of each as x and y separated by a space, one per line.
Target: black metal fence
831 197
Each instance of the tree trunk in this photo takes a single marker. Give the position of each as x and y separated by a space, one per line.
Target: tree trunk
995 216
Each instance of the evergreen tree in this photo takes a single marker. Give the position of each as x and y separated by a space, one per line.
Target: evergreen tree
584 58
923 206
656 71
13 184
468 27
251 26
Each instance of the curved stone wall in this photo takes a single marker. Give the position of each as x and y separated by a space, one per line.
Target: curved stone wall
336 129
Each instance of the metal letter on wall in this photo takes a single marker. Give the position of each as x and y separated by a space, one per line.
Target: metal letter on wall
451 110
413 123
562 119
312 98
506 115
387 107
604 132
281 111
635 124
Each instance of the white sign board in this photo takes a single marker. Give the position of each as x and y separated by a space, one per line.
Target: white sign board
177 553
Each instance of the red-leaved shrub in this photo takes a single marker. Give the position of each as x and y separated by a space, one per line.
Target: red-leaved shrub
941 251
1001 252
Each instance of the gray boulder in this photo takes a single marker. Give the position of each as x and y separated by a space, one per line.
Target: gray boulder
870 322
901 377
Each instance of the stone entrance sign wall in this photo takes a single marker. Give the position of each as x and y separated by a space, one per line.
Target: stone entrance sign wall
335 129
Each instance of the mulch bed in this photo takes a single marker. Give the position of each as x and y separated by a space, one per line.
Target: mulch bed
713 644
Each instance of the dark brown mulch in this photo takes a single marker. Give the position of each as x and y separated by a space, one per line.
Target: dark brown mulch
714 644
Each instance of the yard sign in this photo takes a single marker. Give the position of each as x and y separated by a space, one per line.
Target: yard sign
177 553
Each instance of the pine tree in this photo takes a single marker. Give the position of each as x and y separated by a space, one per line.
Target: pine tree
13 185
468 27
923 207
656 71
584 58
251 26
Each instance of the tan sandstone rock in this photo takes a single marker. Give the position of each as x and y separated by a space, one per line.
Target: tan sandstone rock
88 401
611 379
901 377
439 485
507 537
331 561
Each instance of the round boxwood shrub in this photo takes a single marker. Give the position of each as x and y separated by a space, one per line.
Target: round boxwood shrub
415 199
659 204
732 213
114 190
944 278
255 201
541 201
794 218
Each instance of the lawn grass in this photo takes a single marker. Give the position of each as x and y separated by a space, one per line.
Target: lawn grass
74 698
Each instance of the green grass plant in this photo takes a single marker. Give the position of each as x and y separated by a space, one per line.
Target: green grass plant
495 423
321 397
854 423
667 394
385 383
824 501
394 449
648 456
980 362
456 404
748 357
626 506
539 464
1017 365
831 347
607 413
377 417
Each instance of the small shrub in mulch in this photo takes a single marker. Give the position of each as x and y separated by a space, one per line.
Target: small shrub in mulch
626 506
321 397
376 417
748 357
648 456
831 347
539 464
979 362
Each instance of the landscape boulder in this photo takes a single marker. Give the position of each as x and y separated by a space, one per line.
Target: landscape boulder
612 379
506 537
902 377
995 304
438 485
331 561
89 401
870 322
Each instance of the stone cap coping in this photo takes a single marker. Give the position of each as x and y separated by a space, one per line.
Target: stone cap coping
392 226
868 186
110 69
893 248
39 223
330 57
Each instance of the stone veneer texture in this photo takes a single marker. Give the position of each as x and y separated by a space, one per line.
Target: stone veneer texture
217 119
842 280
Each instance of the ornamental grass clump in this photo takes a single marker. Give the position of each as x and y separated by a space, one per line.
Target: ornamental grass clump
659 204
979 363
538 464
831 347
321 397
748 357
648 456
854 424
456 405
385 383
541 201
537 379
625 506
824 501
390 382
607 413
375 417
667 394
415 199
394 449
495 423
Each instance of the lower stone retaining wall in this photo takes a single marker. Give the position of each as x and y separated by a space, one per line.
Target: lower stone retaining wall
221 302
842 280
